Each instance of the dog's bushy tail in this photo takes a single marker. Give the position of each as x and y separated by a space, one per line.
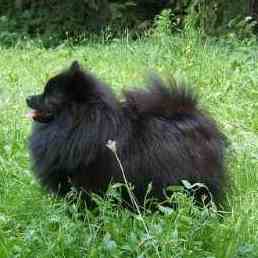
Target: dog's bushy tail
164 99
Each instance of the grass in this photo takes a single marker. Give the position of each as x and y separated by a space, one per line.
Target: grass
34 224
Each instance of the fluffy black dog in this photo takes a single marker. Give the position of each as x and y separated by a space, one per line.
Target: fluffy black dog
161 135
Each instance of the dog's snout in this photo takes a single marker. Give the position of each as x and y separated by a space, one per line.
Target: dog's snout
28 100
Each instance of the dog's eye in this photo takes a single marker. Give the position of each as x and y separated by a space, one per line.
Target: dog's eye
50 87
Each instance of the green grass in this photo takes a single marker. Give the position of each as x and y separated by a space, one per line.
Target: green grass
34 224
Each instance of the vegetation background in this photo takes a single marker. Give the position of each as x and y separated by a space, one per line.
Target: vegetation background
212 44
55 20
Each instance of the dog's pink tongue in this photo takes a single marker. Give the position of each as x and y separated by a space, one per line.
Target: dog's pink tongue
31 114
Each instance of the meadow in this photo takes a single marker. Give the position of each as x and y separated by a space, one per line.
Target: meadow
224 73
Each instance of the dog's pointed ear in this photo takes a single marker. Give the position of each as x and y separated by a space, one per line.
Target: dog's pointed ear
75 71
82 84
75 67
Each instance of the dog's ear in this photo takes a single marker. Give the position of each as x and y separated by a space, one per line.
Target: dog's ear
82 84
75 72
75 66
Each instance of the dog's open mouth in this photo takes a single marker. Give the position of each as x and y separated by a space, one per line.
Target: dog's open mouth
40 116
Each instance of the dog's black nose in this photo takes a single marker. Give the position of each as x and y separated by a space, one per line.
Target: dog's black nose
28 100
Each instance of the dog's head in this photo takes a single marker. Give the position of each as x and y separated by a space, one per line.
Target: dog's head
69 87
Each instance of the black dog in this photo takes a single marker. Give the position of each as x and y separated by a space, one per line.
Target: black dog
161 136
